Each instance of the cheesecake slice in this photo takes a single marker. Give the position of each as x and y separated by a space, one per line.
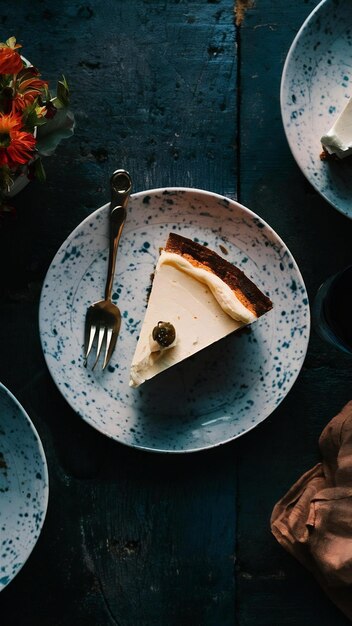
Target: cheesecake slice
197 298
338 140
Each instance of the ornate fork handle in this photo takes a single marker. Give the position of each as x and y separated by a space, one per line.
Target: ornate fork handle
120 184
103 318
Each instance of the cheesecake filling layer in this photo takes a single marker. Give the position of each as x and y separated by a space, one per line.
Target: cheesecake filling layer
184 294
222 293
338 140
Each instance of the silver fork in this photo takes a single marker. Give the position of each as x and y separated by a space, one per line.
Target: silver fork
103 318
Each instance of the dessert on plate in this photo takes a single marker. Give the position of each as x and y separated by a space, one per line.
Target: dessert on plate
197 298
338 140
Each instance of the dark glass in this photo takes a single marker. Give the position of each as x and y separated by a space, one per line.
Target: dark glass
332 310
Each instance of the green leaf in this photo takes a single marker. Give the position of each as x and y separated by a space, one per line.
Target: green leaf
46 93
6 179
62 92
57 103
61 126
39 171
11 42
31 119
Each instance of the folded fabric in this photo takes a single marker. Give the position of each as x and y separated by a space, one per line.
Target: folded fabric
313 521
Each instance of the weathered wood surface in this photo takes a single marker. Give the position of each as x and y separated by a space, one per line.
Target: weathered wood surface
271 587
176 93
129 538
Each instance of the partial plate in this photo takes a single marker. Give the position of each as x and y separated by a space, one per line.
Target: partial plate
218 394
316 83
23 486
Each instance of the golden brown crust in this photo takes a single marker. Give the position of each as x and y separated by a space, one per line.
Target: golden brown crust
200 256
326 156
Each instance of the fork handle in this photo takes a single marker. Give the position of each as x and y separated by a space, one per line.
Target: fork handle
120 184
117 221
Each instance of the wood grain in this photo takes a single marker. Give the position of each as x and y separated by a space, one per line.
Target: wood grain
271 587
179 95
130 538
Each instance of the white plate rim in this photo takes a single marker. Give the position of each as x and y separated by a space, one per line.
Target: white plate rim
45 494
249 213
292 144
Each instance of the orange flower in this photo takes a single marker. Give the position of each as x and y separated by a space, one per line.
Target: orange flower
10 60
22 100
28 87
16 146
8 123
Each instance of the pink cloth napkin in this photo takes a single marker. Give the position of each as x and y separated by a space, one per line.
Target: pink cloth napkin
313 521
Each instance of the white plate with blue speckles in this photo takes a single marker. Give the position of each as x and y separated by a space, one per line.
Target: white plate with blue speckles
219 393
23 486
316 84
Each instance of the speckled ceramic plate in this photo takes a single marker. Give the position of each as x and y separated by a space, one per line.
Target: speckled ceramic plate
23 486
219 393
316 83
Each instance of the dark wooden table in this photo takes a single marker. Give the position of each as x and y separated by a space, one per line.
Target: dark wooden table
180 95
